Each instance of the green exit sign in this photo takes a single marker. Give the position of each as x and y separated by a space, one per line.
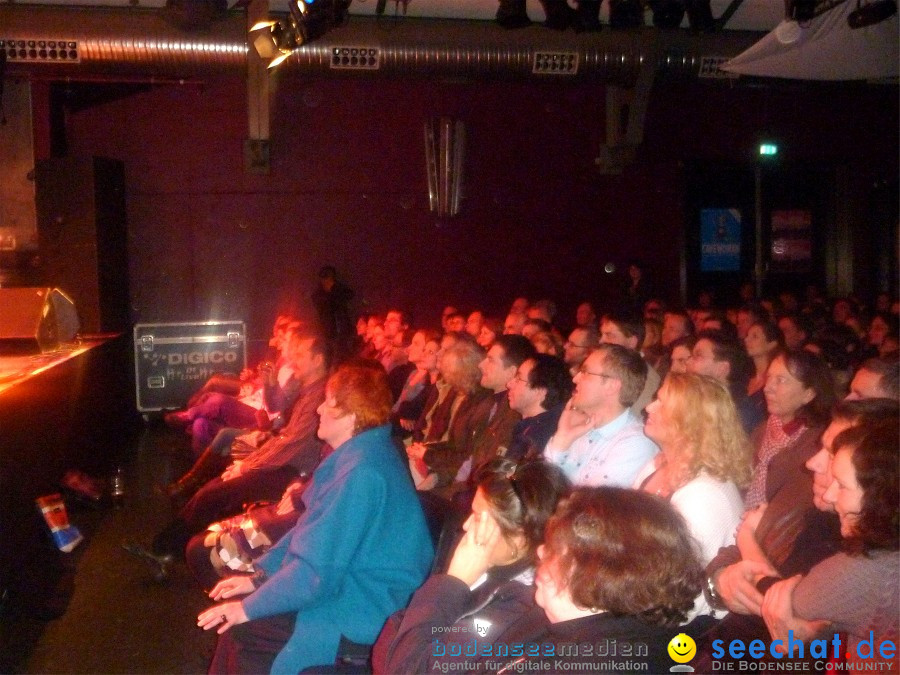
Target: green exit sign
768 149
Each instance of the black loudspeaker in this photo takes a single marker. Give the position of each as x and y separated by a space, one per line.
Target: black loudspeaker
82 231
34 320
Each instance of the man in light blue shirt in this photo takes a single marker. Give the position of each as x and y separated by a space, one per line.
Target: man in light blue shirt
599 441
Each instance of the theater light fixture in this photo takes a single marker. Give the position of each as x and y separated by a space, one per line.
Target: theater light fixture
273 40
308 20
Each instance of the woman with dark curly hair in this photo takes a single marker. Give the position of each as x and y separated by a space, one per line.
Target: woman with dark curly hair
854 592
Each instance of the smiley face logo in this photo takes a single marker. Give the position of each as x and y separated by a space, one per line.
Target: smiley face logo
682 648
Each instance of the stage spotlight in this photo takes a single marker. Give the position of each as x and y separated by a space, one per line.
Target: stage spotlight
274 41
871 13
308 20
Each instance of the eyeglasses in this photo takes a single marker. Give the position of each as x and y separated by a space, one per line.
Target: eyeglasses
519 378
569 343
584 371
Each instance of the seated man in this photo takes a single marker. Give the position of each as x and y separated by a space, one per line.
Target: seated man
514 323
493 430
485 431
725 359
796 330
676 324
599 440
627 330
539 391
393 354
876 378
581 342
585 316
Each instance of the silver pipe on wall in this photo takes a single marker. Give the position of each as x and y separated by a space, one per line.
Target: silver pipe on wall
135 42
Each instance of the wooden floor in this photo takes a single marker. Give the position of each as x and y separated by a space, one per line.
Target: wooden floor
118 619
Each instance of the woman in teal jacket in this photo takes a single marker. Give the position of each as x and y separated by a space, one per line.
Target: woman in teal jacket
356 554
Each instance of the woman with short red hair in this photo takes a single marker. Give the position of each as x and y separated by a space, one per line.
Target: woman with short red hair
356 554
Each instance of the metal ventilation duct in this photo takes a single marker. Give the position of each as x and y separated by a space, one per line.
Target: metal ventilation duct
139 43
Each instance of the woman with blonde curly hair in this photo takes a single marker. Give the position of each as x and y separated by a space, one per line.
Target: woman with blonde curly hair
704 460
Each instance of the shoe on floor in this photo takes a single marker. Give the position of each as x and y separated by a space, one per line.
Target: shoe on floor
159 564
177 420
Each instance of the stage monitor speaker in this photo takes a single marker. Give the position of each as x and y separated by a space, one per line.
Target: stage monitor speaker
34 320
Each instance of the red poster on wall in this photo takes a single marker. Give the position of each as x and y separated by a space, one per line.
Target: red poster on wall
791 241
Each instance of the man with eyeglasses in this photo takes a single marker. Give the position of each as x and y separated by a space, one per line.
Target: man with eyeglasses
538 392
580 343
723 358
599 440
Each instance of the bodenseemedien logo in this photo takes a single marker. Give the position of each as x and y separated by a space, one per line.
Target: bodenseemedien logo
682 649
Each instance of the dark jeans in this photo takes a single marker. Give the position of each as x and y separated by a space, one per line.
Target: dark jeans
252 647
220 499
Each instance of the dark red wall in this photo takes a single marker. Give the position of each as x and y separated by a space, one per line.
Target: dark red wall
348 187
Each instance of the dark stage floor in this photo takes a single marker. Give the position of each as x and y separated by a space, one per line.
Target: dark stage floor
118 619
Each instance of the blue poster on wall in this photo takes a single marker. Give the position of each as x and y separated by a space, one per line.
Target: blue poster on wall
720 240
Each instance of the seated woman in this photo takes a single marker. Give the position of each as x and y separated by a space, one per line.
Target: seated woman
763 342
356 554
704 460
489 580
617 565
799 396
261 403
245 383
491 329
854 592
423 354
435 461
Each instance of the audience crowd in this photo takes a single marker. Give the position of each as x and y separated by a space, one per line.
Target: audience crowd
629 477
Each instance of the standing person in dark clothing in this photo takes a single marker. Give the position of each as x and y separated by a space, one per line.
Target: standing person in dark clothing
332 302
